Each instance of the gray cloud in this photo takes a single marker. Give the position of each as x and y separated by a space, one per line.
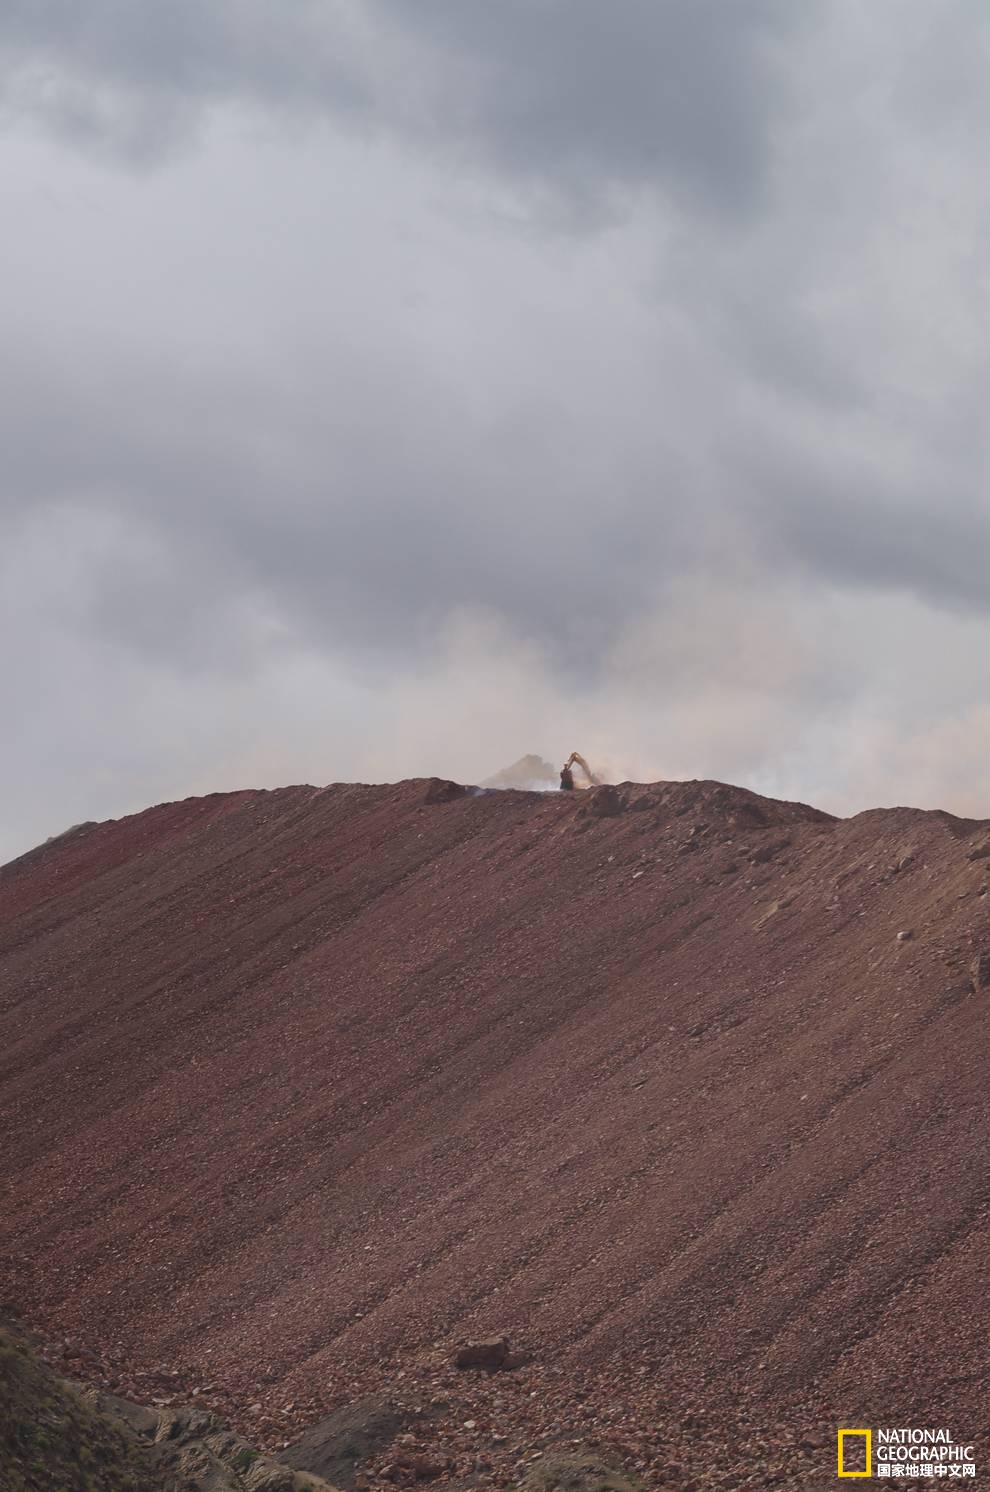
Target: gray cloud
676 96
133 80
673 97
473 379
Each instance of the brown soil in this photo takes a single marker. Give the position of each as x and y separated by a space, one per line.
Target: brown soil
300 1088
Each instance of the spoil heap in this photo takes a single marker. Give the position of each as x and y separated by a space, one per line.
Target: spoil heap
684 1089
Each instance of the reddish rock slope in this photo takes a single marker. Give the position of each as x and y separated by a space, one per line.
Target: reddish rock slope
294 1081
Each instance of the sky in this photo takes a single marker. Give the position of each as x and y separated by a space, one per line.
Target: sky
395 387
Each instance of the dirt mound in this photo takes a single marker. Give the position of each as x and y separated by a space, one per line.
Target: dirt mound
299 1087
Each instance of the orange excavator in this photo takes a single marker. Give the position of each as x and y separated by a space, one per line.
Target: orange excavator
567 772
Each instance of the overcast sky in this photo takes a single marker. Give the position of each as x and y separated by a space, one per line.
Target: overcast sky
394 387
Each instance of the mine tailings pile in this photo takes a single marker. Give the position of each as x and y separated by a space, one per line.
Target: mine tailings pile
674 1085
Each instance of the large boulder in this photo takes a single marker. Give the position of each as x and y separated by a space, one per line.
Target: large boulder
489 1355
605 802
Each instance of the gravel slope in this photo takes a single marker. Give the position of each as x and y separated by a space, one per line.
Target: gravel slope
300 1086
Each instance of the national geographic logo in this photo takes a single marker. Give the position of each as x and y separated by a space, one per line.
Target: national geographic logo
914 1455
867 1436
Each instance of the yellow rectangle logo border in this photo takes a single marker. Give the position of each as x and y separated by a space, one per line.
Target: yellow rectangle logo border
869 1452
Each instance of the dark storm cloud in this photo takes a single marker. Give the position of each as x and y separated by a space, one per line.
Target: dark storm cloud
569 95
580 94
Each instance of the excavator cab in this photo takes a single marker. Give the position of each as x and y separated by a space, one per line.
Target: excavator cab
567 772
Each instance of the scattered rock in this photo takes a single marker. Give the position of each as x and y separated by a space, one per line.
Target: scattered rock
489 1355
905 937
980 971
766 852
605 802
443 791
773 909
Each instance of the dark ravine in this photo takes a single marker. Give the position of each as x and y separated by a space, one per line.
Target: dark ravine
301 1087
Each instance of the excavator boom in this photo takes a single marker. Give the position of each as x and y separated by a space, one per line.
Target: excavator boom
576 759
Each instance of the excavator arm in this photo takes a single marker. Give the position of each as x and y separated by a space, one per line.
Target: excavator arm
577 760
